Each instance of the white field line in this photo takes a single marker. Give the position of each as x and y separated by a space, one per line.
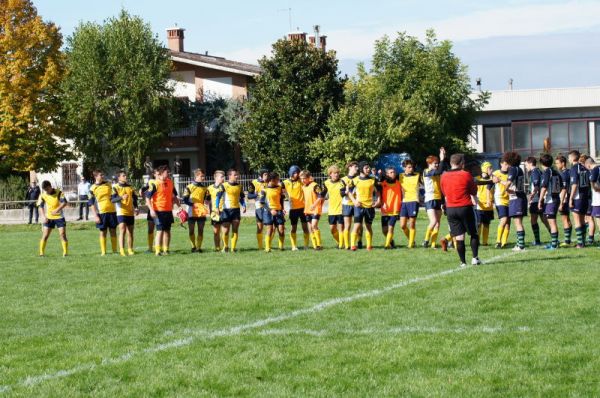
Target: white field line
392 331
236 330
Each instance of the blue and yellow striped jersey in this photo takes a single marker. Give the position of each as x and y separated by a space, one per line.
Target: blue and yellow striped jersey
125 206
233 196
215 193
194 196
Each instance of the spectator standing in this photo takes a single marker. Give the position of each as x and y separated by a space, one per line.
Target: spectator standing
83 190
32 195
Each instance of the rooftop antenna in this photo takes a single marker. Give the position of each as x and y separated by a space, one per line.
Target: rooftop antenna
289 11
479 83
317 29
510 83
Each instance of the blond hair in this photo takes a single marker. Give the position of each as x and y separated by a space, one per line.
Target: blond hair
333 169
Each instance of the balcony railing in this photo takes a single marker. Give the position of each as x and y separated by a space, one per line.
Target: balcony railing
190 131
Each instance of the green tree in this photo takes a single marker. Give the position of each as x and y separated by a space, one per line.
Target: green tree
290 104
31 68
415 98
116 95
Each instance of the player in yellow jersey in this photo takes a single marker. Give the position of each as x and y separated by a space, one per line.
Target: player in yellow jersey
485 207
272 197
103 210
333 188
293 189
126 201
501 199
233 200
149 219
215 195
391 203
194 197
52 201
347 205
365 188
433 196
254 190
411 182
313 206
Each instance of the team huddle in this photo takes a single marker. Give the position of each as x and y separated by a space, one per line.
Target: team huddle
555 191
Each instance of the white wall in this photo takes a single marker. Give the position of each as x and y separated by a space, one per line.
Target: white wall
218 87
184 84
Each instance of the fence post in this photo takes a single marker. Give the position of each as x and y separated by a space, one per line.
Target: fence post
176 181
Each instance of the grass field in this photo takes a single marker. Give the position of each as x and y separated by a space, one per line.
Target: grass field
334 323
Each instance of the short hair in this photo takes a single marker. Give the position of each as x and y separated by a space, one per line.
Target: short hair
574 153
219 172
304 174
590 160
583 158
407 162
162 168
231 171
531 160
457 159
97 172
198 172
546 160
432 159
272 176
46 184
121 172
561 158
333 169
352 163
388 168
512 158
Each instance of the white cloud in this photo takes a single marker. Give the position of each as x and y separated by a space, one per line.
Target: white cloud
508 20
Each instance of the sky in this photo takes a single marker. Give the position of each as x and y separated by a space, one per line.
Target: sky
539 44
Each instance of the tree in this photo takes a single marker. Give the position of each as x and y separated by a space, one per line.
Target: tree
116 95
416 98
290 104
31 68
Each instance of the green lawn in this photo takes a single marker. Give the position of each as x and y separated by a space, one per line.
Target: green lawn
332 323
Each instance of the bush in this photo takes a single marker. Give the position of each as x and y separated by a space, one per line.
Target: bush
12 188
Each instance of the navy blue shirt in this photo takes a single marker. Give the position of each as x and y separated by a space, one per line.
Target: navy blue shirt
517 179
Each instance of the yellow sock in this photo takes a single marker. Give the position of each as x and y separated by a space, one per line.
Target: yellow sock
388 239
505 236
354 239
406 232
454 241
113 243
42 247
281 240
130 252
234 240
411 237
313 239
294 240
369 238
267 243
157 249
102 245
499 234
318 237
192 238
165 249
428 234
485 229
151 241
448 237
259 240
65 247
307 239
434 236
347 239
336 236
199 240
122 252
226 241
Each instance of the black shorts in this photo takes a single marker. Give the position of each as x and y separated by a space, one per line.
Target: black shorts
270 219
107 221
259 214
164 220
149 217
230 215
297 215
389 221
361 214
348 210
199 220
59 223
462 220
127 220
534 209
334 220
485 216
310 217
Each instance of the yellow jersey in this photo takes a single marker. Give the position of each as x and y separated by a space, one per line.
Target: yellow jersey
484 191
100 196
295 193
50 202
233 195
501 197
348 187
431 181
125 207
194 196
272 197
312 193
364 188
215 193
334 191
254 191
410 187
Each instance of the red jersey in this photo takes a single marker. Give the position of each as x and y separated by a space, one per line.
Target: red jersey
457 187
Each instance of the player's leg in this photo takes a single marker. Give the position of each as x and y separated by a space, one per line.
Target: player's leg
591 229
306 232
225 227
44 240
235 228
192 234
259 227
294 218
113 238
122 229
200 236
520 232
130 230
358 218
150 235
436 227
412 231
103 233
430 227
62 232
567 229
535 227
217 235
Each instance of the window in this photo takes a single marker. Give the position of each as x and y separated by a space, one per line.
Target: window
539 132
497 139
578 136
521 138
69 177
559 136
597 134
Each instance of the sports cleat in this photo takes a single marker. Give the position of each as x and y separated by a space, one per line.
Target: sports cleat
393 244
476 261
318 248
518 249
444 245
462 265
294 249
550 247
498 246
387 248
267 250
536 244
194 250
360 244
369 248
579 246
566 244
354 248
425 244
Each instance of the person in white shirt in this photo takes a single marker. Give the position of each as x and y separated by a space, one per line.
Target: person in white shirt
83 190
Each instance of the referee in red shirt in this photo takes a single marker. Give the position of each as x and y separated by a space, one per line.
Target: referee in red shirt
458 186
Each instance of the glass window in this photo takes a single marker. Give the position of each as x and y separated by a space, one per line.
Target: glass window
507 138
521 137
560 136
492 139
539 132
578 136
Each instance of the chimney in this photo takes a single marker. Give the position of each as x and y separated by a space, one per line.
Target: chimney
312 40
175 39
300 36
323 41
